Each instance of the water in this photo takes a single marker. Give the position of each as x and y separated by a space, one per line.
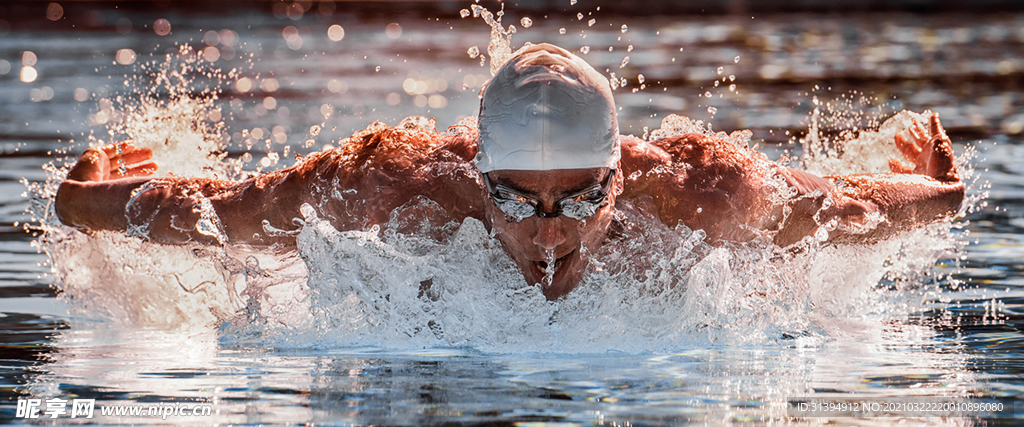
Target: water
928 313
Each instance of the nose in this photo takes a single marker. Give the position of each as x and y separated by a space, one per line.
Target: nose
550 234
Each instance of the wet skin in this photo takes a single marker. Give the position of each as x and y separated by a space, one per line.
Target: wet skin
693 179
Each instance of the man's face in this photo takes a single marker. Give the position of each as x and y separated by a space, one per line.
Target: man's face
534 241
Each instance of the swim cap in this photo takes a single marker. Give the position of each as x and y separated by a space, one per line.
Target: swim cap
547 109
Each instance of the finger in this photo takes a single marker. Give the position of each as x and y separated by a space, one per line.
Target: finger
143 169
915 130
898 166
135 155
118 148
90 167
936 127
908 148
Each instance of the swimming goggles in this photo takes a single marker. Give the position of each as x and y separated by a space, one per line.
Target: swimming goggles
579 206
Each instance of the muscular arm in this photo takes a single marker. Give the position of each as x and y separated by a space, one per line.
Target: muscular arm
354 186
723 189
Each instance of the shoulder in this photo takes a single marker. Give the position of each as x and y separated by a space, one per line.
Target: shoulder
406 146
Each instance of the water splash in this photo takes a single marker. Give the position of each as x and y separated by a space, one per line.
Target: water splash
500 45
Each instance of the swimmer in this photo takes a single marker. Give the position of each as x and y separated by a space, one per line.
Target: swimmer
543 172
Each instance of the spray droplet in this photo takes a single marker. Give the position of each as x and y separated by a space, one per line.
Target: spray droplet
561 31
572 2
473 52
585 49
622 82
716 83
377 68
624 62
307 144
591 22
614 81
314 130
732 77
624 28
712 110
732 87
721 70
526 22
736 59
707 94
629 48
464 13
640 78
579 16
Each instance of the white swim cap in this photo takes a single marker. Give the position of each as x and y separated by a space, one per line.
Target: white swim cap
547 109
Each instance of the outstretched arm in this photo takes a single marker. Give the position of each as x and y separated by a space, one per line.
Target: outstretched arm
710 184
923 188
354 186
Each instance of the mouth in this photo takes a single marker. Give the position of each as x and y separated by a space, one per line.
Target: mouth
540 267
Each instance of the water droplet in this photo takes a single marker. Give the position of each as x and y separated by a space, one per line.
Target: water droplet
377 68
473 52
732 77
572 2
640 78
629 48
732 87
579 16
314 130
707 94
716 83
712 110
736 59
721 70
624 62
585 49
307 144
464 13
591 22
622 82
624 28
526 22
248 157
561 31
614 81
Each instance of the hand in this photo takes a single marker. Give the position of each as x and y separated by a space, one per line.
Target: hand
113 161
928 152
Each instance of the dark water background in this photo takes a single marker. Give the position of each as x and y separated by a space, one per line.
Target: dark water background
966 63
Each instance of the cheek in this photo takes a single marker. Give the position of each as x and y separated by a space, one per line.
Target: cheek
593 232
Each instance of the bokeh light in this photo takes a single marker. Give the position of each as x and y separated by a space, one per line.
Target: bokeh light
292 37
28 58
28 74
335 33
123 26
243 85
54 11
125 56
162 27
337 86
211 54
269 85
393 31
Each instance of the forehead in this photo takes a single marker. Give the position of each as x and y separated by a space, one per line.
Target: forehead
559 181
